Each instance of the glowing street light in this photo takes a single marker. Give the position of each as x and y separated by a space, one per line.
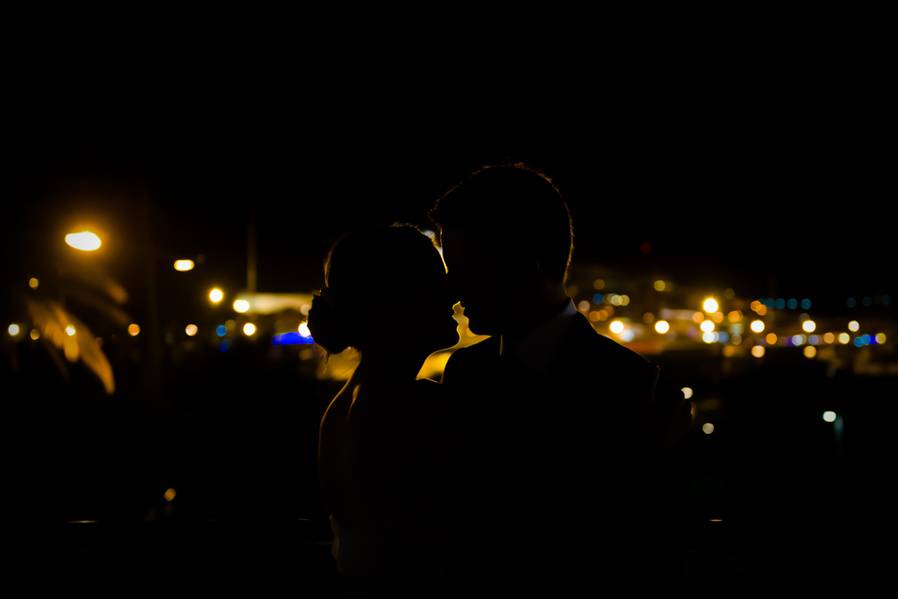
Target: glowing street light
191 330
809 326
14 329
85 241
216 295
757 326
854 326
241 306
134 329
710 305
662 327
617 327
249 329
70 330
184 265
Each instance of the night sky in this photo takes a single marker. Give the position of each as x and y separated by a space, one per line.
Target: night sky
732 184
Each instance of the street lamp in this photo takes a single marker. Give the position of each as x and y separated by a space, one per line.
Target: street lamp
85 241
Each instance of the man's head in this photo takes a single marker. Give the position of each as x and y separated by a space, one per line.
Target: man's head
507 241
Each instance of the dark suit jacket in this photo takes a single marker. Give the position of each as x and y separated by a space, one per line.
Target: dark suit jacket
557 456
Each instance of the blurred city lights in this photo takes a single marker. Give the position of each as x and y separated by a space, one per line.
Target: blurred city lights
583 306
707 326
241 306
170 495
798 340
854 326
221 330
707 428
829 338
829 416
771 338
598 284
70 330
844 338
717 317
86 241
698 317
662 327
249 329
33 282
687 392
616 327
734 316
810 351
660 285
134 329
710 337
757 326
14 329
191 330
216 295
184 265
304 329
758 351
35 334
880 338
809 326
710 305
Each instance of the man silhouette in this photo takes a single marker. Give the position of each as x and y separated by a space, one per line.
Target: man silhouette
557 423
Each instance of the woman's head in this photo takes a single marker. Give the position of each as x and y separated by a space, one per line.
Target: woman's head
384 286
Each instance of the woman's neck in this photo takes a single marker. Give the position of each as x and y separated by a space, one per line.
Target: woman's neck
381 365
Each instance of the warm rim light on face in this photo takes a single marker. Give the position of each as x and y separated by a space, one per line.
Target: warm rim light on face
85 241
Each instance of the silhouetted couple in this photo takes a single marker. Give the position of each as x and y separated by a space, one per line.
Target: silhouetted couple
528 467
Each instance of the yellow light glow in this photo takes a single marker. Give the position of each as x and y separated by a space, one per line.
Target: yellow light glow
809 326
14 329
758 351
829 338
241 306
734 316
854 326
304 329
134 329
660 285
662 327
35 334
191 330
184 265
710 337
617 327
880 338
717 317
687 392
216 295
710 305
249 329
758 326
810 352
33 282
598 284
70 330
86 241
583 306
771 338
707 428
707 326
170 495
729 351
844 338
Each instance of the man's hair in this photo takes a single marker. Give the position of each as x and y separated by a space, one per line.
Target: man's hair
513 202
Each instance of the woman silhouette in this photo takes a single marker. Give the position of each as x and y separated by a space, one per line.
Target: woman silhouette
383 445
